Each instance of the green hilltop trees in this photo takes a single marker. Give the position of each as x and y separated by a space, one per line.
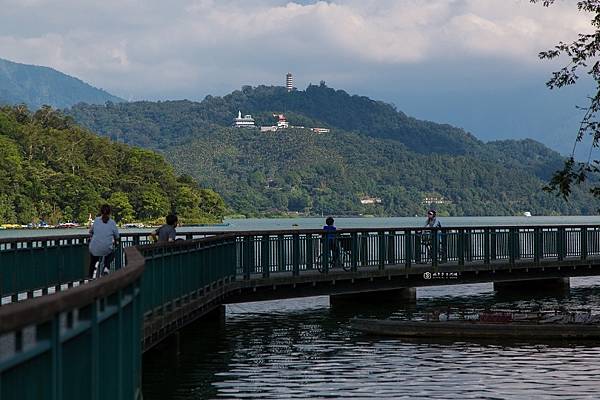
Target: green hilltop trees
373 151
55 170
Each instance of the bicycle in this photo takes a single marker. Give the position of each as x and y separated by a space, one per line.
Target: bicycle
426 244
105 262
340 255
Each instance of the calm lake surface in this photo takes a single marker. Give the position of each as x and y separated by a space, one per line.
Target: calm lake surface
303 348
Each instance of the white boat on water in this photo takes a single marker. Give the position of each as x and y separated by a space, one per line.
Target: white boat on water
527 214
134 225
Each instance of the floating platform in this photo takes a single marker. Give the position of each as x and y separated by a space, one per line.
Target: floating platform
475 329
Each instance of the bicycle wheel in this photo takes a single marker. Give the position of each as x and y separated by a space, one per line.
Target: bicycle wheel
319 263
346 260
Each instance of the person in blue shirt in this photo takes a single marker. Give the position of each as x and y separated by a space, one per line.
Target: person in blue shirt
330 236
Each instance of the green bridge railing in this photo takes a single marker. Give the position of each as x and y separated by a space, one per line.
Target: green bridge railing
81 343
86 340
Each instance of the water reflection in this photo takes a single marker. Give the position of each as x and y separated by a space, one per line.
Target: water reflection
305 349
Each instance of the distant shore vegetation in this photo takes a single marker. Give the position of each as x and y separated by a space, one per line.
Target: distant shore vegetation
52 170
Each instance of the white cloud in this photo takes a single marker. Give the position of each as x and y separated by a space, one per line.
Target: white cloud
156 49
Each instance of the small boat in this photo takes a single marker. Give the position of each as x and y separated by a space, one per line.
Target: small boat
11 226
67 225
527 214
134 225
477 329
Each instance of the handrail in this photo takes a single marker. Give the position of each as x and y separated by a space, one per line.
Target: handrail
302 231
40 309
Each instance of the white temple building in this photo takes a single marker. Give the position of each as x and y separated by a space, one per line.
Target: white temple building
243 122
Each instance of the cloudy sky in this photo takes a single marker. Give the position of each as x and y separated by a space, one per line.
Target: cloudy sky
471 63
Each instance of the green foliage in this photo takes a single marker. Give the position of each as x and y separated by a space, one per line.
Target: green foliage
121 207
373 150
582 55
51 169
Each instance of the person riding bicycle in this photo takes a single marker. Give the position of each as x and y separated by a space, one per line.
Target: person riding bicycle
104 234
330 239
431 222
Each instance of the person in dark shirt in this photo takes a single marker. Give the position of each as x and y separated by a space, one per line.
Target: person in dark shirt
330 237
166 233
429 236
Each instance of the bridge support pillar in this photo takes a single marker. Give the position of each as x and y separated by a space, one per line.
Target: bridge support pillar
535 287
216 315
394 296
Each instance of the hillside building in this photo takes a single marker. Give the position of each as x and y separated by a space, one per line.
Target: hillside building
430 200
320 130
370 200
244 122
289 82
281 121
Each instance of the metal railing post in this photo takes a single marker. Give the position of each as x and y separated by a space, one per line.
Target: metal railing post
537 245
264 256
382 249
561 243
486 246
461 246
408 248
354 251
584 243
325 254
296 254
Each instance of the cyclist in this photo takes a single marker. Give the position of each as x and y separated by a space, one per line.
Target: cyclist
432 222
330 239
104 234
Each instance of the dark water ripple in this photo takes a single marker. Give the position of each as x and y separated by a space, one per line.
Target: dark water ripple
304 349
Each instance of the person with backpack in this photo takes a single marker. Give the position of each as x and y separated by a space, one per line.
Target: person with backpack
104 236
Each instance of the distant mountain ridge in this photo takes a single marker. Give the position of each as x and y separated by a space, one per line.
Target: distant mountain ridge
372 151
36 86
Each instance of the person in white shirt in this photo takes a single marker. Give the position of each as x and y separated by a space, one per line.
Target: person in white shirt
104 235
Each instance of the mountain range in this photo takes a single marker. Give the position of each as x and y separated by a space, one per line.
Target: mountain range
375 159
35 86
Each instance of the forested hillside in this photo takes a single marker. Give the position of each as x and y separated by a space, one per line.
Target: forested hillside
36 86
372 152
51 169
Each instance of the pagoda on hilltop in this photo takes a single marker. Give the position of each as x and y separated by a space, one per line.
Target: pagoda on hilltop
243 122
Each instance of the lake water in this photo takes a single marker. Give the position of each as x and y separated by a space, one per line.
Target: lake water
317 223
303 348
